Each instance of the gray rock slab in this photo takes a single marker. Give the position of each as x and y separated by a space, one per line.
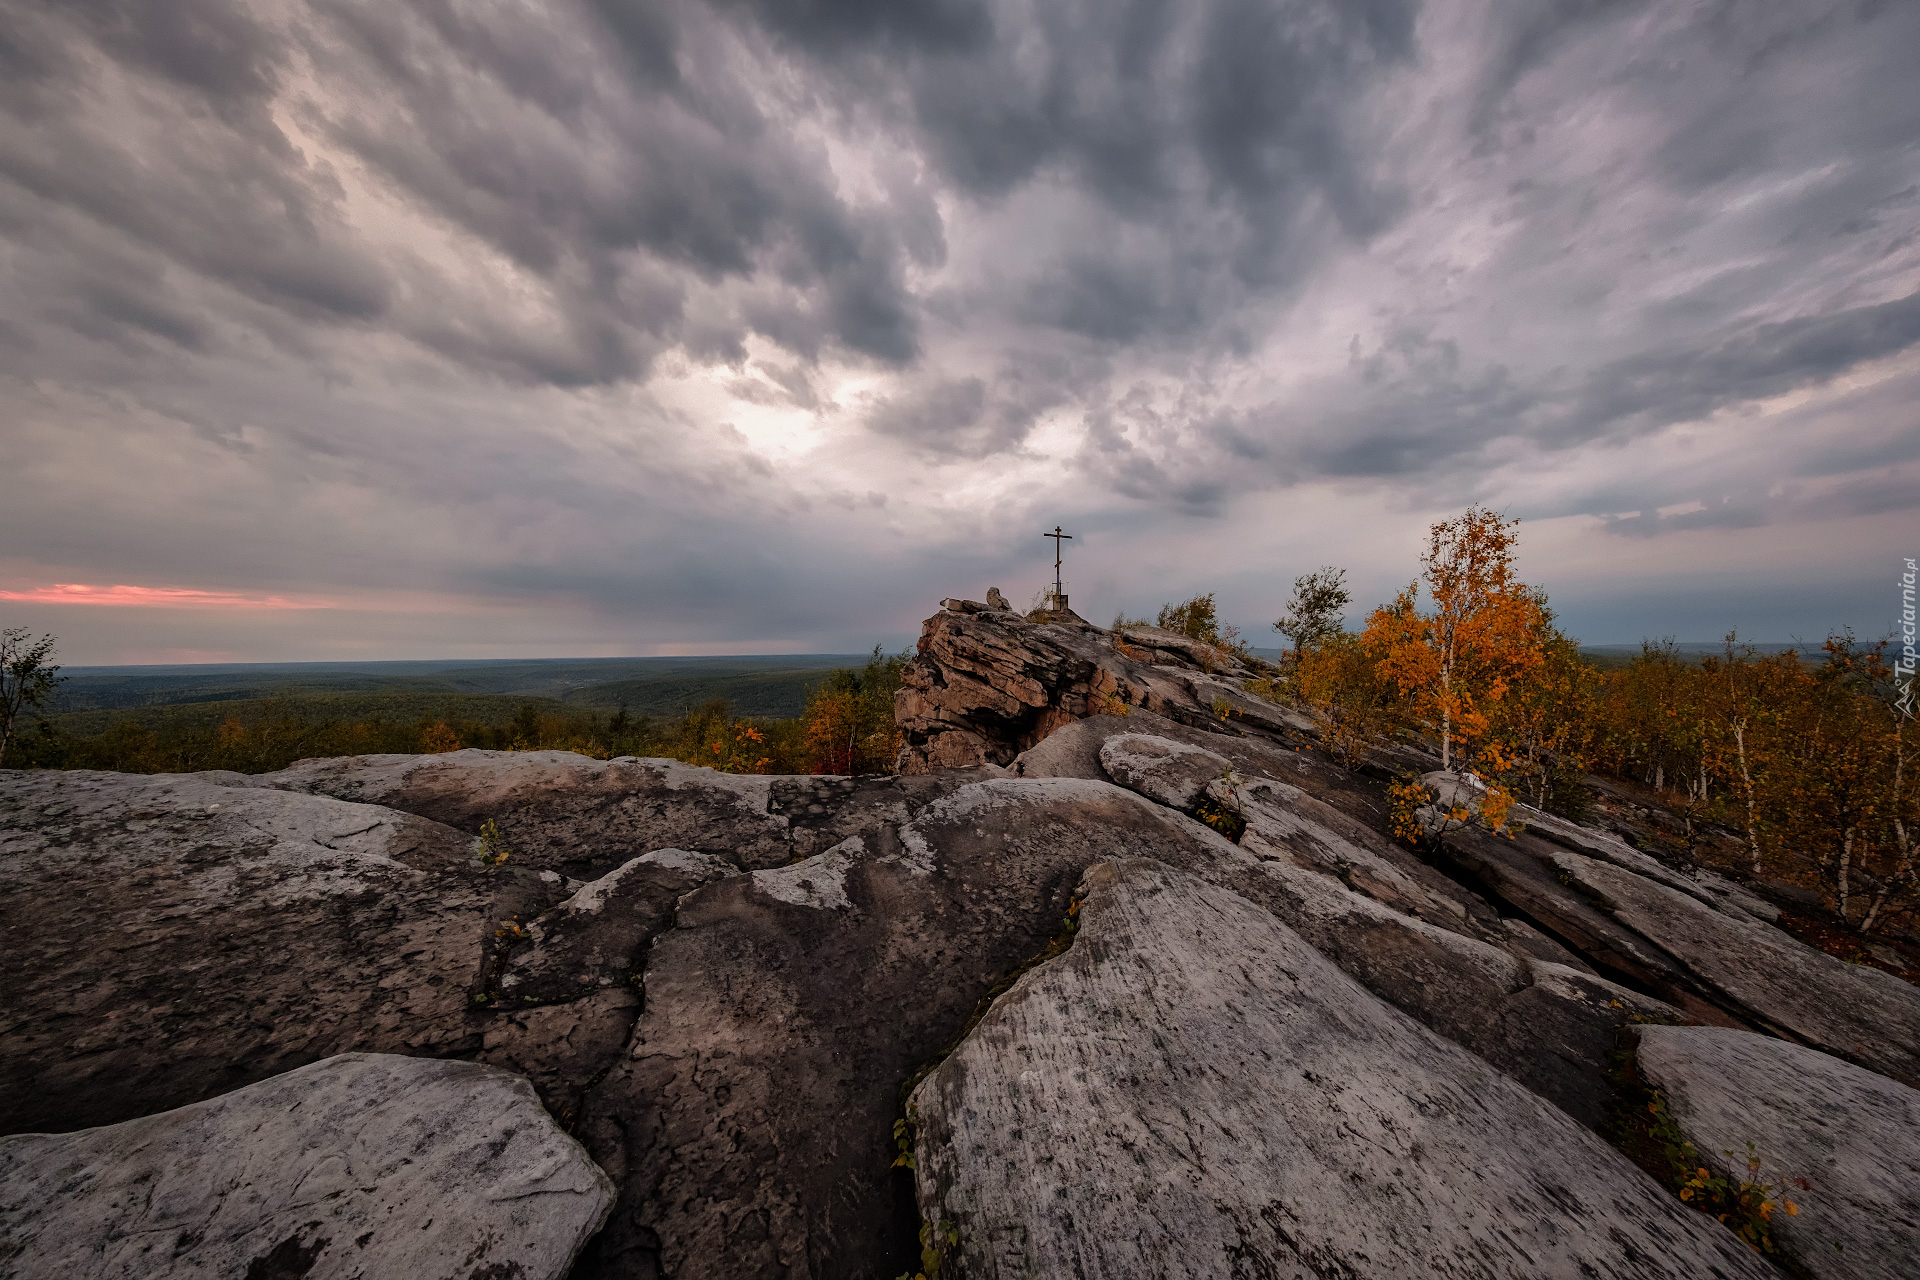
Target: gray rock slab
170 938
583 817
1854 1134
597 937
1731 893
1548 1026
1161 769
749 1121
1285 822
1329 821
1193 1090
1500 988
362 1165
1520 872
1858 1012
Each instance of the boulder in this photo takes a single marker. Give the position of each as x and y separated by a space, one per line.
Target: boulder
749 1121
1172 773
359 1165
1858 1012
987 684
1853 1134
171 938
583 817
1193 1090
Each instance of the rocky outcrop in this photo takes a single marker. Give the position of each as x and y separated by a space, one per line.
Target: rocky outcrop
1853 1135
172 937
582 817
360 1165
1177 1094
987 684
1711 956
723 986
1498 987
749 1121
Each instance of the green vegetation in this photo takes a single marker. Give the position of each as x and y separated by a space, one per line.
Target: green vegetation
494 849
27 679
835 720
1315 612
1643 1128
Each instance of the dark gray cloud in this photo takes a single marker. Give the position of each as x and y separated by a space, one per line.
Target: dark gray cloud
633 306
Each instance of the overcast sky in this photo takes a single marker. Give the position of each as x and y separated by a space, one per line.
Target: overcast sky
430 328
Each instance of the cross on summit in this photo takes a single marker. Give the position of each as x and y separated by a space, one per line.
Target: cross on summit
1058 597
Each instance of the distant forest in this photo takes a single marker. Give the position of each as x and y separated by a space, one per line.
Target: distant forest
738 713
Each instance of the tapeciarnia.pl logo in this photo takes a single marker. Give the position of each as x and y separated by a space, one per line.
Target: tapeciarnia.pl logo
1903 666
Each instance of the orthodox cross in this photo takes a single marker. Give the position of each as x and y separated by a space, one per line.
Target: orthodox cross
1059 591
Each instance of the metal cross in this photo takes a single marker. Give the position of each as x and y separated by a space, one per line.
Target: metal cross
1057 536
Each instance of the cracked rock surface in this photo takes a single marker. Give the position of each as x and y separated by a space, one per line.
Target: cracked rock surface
1853 1134
749 1121
583 817
724 987
1180 1093
362 1165
173 937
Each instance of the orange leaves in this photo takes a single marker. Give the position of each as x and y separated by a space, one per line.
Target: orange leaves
1485 632
1342 678
848 726
439 738
833 731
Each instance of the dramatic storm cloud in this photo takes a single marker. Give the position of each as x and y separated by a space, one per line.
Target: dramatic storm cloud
443 328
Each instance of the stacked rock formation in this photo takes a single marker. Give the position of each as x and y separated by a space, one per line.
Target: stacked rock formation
988 682
1120 978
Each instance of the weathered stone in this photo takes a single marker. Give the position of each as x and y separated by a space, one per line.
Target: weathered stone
1161 769
1192 1090
583 817
1860 1013
1499 987
1701 885
360 1165
1518 871
171 938
595 938
986 684
562 1049
1853 1134
1548 1026
1176 648
749 1122
1285 822
1732 894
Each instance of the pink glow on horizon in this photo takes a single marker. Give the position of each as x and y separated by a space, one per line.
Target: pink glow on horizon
126 596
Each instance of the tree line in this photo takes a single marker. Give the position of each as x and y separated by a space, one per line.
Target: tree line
1803 758
846 727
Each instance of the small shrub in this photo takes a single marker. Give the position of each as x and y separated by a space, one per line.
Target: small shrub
1195 619
1404 800
439 738
494 849
1222 813
1746 1207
